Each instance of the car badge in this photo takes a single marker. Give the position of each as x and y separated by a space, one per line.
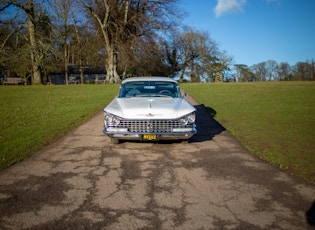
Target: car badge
149 115
150 126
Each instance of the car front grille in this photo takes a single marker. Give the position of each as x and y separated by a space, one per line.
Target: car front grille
151 126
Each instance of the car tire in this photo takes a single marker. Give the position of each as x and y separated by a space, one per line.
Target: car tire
114 141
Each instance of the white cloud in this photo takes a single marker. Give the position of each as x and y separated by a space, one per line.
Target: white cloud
224 6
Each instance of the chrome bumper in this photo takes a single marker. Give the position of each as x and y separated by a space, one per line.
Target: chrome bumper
160 136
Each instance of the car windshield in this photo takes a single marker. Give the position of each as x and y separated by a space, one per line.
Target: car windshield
149 89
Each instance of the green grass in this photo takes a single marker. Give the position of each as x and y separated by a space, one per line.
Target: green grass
33 116
275 120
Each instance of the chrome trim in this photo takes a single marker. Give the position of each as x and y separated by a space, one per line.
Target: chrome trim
151 126
160 135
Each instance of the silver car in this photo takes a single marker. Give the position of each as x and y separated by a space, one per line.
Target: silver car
149 109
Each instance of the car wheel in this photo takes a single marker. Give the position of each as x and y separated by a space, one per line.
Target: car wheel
115 141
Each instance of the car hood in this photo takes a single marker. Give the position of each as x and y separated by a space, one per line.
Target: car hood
149 108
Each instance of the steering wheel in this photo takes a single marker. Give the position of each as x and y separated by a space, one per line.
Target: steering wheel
164 91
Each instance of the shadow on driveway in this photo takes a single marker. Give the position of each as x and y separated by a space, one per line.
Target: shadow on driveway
207 127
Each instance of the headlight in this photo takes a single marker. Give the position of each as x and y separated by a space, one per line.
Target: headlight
111 120
184 121
190 118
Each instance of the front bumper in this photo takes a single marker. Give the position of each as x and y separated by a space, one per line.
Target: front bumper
181 134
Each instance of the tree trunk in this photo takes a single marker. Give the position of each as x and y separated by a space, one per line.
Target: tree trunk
111 51
111 66
218 77
66 62
36 75
181 77
81 71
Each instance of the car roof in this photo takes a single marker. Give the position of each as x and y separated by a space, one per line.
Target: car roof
148 78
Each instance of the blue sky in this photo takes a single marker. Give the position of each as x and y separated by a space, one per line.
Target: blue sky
253 31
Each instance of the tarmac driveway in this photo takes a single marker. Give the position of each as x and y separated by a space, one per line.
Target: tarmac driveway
84 182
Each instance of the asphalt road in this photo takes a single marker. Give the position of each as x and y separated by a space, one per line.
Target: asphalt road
84 182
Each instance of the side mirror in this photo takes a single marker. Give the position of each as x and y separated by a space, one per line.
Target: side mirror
184 95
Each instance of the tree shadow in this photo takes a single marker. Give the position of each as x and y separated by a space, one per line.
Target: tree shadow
207 126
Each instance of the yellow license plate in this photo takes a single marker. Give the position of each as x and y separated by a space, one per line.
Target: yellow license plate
149 137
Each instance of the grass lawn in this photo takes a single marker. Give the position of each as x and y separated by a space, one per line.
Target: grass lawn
275 120
33 116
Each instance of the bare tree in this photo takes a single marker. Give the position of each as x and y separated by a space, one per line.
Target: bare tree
244 73
123 22
29 10
171 58
218 65
105 15
284 71
38 32
260 71
14 52
271 68
63 12
197 53
304 71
